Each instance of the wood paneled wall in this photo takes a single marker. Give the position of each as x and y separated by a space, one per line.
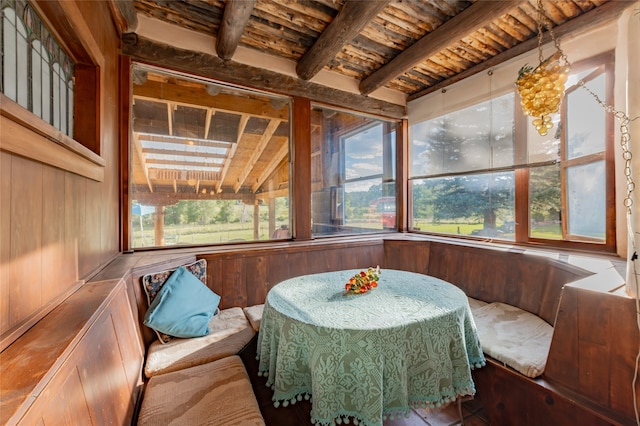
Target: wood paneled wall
531 282
82 364
590 367
91 347
56 227
595 338
243 278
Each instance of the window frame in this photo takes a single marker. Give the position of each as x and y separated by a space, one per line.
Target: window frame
128 68
390 126
30 136
604 64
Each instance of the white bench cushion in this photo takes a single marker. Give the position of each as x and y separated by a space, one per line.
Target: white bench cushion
217 393
475 303
513 336
229 332
254 315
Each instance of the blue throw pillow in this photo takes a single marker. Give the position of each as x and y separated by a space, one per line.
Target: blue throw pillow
183 307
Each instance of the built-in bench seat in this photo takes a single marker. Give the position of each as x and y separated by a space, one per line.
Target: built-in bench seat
86 358
254 315
196 380
514 337
230 331
214 393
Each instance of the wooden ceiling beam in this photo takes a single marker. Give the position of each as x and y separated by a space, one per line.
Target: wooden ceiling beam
138 147
461 25
170 118
210 66
234 19
182 153
178 163
171 198
182 175
257 152
125 15
182 141
207 121
273 164
232 152
277 193
155 91
350 21
585 22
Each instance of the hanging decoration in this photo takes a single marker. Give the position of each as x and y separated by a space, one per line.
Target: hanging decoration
541 88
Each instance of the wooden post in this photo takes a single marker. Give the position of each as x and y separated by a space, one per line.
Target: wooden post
302 168
272 216
158 226
256 219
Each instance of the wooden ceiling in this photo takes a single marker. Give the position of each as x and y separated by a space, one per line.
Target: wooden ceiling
412 47
195 140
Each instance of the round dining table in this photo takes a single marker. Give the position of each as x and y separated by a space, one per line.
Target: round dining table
411 341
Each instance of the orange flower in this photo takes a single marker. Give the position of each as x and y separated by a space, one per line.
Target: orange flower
363 281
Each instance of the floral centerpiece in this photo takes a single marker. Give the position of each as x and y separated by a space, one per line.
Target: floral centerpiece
363 281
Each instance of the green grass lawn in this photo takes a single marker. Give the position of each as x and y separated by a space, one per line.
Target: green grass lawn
205 234
229 232
547 231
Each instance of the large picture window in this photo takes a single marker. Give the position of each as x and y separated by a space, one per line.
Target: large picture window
352 173
483 171
209 163
462 171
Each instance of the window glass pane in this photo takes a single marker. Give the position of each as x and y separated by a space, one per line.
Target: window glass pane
28 49
70 108
56 96
478 205
366 208
46 94
501 130
363 158
9 53
22 49
352 173
545 205
63 105
474 138
543 148
587 200
586 120
36 78
209 163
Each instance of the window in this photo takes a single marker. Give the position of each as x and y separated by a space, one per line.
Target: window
352 173
36 72
458 161
484 171
209 163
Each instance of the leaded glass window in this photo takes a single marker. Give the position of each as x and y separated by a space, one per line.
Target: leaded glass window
36 72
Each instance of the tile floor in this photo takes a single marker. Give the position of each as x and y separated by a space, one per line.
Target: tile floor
298 414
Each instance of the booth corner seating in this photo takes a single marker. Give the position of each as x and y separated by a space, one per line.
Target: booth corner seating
196 376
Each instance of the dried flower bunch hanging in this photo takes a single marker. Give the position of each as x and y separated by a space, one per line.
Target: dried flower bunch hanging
541 88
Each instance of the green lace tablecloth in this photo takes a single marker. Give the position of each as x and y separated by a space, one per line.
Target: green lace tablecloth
411 341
